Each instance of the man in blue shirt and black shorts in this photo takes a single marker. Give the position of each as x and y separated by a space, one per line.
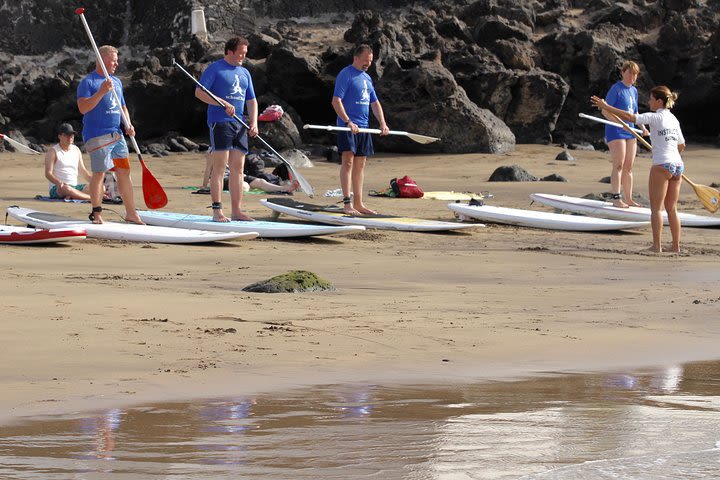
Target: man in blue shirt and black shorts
353 98
232 84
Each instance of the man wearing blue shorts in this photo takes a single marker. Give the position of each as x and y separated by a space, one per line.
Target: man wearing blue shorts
103 137
353 98
232 84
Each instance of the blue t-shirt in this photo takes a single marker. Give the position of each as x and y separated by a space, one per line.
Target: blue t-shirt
232 84
625 98
355 88
106 116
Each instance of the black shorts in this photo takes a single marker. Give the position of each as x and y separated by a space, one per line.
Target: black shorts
226 136
360 144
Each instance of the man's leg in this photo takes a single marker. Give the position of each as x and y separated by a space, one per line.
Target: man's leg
346 179
68 191
358 179
236 160
125 187
219 162
96 194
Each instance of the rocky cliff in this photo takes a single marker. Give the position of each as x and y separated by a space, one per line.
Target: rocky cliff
481 75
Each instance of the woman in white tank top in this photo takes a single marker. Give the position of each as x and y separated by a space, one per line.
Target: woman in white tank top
63 163
667 164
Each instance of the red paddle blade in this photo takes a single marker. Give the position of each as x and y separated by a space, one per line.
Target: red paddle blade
79 11
153 192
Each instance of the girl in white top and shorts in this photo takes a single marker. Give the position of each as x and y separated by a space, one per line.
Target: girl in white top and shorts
667 165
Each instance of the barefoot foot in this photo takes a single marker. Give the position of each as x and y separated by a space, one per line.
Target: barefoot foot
620 204
366 211
349 210
241 217
134 219
219 217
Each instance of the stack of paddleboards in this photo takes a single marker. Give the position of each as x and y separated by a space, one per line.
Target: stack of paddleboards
333 215
13 235
596 208
538 219
123 231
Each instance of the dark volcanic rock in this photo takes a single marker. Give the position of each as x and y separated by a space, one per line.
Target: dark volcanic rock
299 80
424 98
514 173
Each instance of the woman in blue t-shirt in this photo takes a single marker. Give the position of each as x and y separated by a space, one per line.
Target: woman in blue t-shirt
622 144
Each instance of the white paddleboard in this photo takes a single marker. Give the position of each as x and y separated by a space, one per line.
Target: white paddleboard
123 231
601 209
536 219
335 216
10 234
265 229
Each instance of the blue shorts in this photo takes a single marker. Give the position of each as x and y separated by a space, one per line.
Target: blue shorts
226 136
674 169
103 157
360 145
615 133
54 192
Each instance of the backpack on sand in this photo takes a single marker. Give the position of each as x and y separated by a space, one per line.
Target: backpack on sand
405 187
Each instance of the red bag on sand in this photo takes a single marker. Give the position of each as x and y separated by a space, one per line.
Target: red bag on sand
272 113
406 187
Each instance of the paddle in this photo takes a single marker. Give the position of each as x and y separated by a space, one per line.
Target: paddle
412 136
708 196
304 184
18 144
153 193
606 122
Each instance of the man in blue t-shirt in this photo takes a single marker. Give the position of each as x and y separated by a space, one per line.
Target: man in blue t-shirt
103 137
353 98
231 83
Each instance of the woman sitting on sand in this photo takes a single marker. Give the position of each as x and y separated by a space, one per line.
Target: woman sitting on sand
667 164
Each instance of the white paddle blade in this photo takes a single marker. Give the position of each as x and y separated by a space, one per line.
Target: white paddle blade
19 145
422 138
304 184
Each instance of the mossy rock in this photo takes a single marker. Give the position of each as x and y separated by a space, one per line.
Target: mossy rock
295 281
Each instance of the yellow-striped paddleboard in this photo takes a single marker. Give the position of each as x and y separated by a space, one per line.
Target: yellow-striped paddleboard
333 215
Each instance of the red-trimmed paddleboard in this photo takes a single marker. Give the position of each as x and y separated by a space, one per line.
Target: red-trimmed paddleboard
13 235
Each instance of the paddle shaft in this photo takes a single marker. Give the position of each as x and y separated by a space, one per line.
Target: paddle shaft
304 185
413 136
607 122
125 119
632 131
348 129
16 143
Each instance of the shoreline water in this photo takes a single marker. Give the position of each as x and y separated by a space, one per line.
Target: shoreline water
99 324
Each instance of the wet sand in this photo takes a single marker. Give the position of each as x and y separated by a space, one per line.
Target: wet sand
644 425
94 324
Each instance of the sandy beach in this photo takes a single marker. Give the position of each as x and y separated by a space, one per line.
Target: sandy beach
95 323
